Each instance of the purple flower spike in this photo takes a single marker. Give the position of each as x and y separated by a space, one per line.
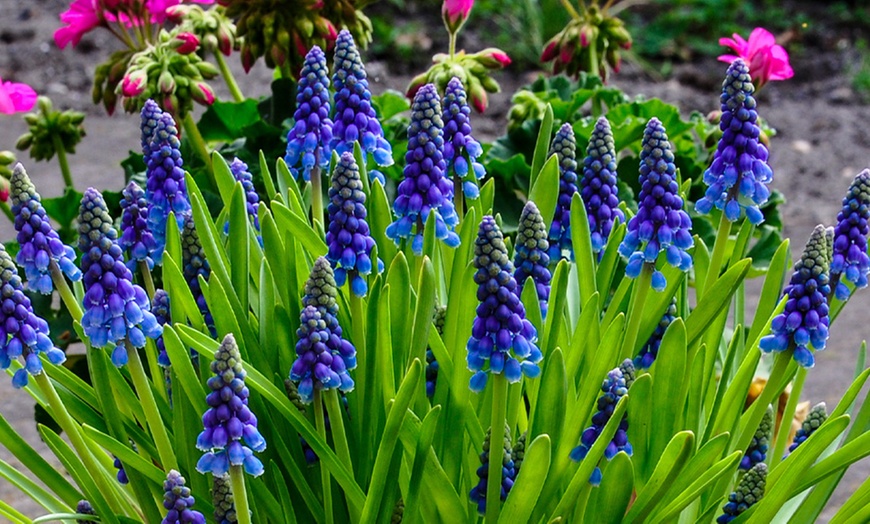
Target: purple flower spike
531 258
813 421
748 492
425 188
615 386
121 474
240 172
501 336
323 356
136 238
222 499
508 472
598 185
308 143
461 150
165 188
850 261
660 224
348 236
355 118
228 421
178 501
739 174
116 309
194 265
564 146
149 116
40 244
757 451
650 350
84 508
805 318
22 333
160 308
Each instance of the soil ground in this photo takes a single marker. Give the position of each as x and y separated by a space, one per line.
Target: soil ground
822 142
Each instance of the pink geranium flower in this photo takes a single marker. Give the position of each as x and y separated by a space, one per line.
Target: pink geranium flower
81 17
766 59
16 98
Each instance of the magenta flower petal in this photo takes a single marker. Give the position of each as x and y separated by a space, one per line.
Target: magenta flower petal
16 98
767 60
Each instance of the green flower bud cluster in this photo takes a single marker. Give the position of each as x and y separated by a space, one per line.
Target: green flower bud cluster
525 105
215 31
7 159
591 41
45 125
473 70
108 77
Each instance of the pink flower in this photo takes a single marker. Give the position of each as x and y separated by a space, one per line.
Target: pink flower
187 43
80 18
16 98
494 58
454 13
159 8
133 84
766 59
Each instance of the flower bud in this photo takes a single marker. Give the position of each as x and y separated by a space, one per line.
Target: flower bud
493 58
455 13
202 93
186 43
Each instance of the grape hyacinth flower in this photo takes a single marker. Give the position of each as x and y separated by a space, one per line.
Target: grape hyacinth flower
758 446
228 419
739 174
240 172
598 184
805 318
814 419
121 474
650 350
222 498
136 238
850 260
322 353
508 472
355 117
431 363
22 333
309 141
149 117
564 146
748 492
518 452
501 335
84 508
531 256
178 501
425 189
160 308
348 236
165 189
461 150
660 222
194 265
40 245
116 309
615 386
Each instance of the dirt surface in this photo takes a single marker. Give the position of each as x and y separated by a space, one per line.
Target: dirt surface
822 142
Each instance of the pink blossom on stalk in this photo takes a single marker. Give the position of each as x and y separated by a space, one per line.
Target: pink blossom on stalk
16 98
187 43
159 8
766 59
494 58
202 93
80 18
455 12
133 84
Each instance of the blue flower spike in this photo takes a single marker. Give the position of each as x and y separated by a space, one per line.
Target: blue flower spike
850 261
531 256
22 333
758 446
179 502
813 421
121 474
136 239
355 117
149 117
804 321
160 308
461 150
194 265
598 184
228 421
508 472
564 146
502 339
240 172
222 500
748 492
308 142
660 224
650 350
738 176
41 247
425 188
85 508
117 311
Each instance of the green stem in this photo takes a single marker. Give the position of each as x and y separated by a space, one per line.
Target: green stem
570 8
66 294
199 145
458 197
359 338
316 195
61 159
452 48
496 447
718 253
325 480
240 495
594 66
232 85
787 416
152 415
146 277
635 312
339 439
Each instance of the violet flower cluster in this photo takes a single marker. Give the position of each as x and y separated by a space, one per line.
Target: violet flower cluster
850 261
598 184
564 146
229 420
748 492
121 474
758 446
615 386
149 116
22 333
531 257
40 246
425 188
323 355
739 174
813 421
179 502
461 150
195 265
355 117
222 500
136 238
308 142
348 236
83 507
508 472
240 172
805 318
117 311
650 350
660 222
501 336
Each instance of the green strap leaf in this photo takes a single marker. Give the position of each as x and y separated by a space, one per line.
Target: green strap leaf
669 466
545 189
529 483
582 243
542 147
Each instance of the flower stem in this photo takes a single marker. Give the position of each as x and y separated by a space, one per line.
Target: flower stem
718 253
635 312
66 294
152 415
199 145
496 447
458 197
452 48
232 85
787 415
61 159
570 8
339 439
316 196
325 480
240 494
146 277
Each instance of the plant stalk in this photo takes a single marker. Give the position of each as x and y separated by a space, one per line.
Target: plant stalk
62 160
325 480
229 78
66 294
635 312
152 415
496 447
718 253
240 494
339 439
787 416
199 145
146 278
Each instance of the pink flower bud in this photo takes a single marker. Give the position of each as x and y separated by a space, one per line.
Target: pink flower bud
550 51
133 84
479 100
202 93
493 58
166 82
4 190
186 43
456 10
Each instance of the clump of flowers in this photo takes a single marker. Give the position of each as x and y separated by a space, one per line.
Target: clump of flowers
160 308
748 492
211 27
508 472
598 184
240 172
805 318
813 421
564 146
767 60
47 123
136 238
309 141
757 451
531 258
650 350
195 265
849 260
179 502
461 150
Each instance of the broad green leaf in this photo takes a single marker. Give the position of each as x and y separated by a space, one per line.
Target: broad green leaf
582 242
670 463
669 390
771 290
268 183
542 148
225 121
424 445
380 216
548 413
641 420
608 503
127 456
238 246
700 482
223 177
424 309
609 260
297 227
545 191
399 279
33 490
524 495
